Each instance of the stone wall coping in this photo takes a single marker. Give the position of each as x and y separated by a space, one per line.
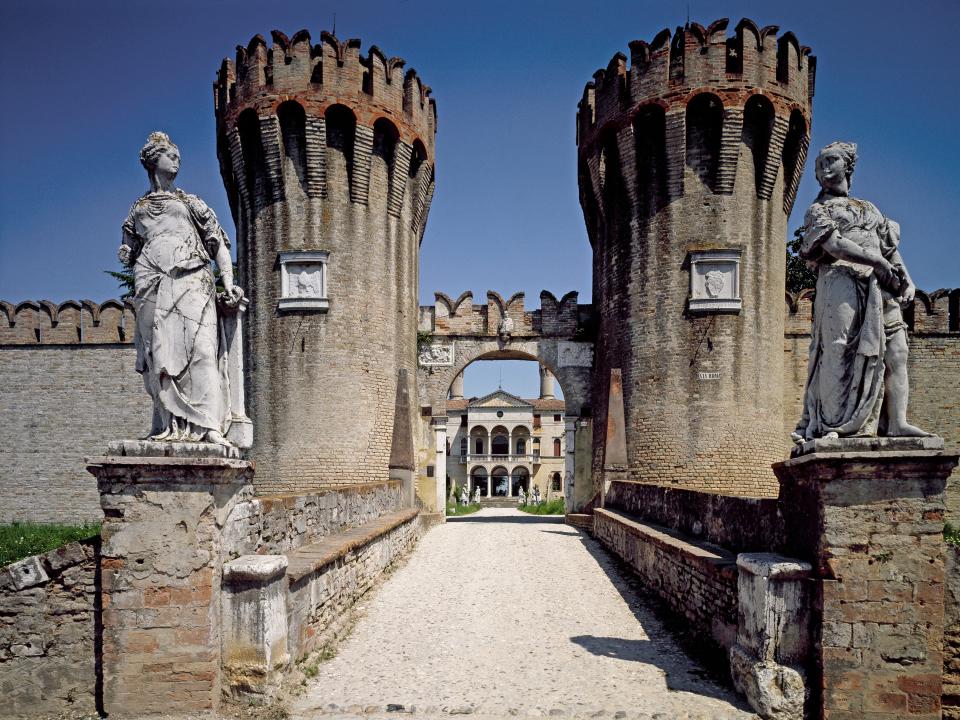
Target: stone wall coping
926 457
360 488
108 462
774 566
255 568
867 444
154 448
312 558
708 554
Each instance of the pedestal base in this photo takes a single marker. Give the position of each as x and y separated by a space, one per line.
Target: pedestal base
870 524
161 564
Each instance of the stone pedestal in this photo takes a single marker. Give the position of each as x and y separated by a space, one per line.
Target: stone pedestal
164 508
773 634
254 642
868 515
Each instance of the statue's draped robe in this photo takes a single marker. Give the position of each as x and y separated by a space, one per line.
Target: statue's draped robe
853 317
173 237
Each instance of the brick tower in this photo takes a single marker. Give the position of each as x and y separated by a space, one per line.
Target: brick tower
327 156
690 154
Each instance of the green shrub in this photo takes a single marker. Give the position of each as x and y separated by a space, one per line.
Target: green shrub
454 509
551 507
951 534
20 540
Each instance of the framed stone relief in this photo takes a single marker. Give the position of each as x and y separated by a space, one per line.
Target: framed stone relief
303 281
436 355
715 281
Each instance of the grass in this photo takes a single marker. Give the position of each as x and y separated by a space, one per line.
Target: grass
462 509
20 540
951 534
551 507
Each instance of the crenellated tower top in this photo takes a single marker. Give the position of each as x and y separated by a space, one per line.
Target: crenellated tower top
751 74
319 76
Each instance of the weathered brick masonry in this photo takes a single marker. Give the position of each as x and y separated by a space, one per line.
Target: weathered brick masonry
47 631
323 149
698 145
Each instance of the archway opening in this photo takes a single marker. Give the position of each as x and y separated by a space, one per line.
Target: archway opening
506 429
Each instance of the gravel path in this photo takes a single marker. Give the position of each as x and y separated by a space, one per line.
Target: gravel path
505 614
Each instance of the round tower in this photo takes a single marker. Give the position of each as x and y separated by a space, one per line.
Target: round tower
690 153
327 156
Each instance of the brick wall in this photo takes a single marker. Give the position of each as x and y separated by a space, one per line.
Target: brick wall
697 582
951 636
47 633
58 404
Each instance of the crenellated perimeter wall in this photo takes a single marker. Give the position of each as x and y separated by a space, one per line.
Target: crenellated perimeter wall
69 385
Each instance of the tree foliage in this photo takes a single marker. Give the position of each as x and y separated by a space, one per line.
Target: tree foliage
799 275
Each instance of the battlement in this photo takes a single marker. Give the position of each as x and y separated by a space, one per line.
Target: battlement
936 313
73 322
685 107
555 318
673 67
318 76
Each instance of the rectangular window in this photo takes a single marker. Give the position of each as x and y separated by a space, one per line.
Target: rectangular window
557 418
463 421
429 470
463 446
536 421
556 447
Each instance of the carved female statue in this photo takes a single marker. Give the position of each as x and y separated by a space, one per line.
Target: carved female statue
857 377
169 240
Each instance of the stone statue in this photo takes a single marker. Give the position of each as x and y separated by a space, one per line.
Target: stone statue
464 496
536 495
476 495
521 496
857 377
169 241
505 328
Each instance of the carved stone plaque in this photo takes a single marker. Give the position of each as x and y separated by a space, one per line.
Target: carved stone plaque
436 355
303 281
715 281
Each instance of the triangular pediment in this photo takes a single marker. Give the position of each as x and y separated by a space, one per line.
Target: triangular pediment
499 398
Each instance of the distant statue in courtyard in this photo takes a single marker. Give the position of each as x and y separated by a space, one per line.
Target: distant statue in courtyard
857 377
169 241
476 494
536 495
521 496
464 496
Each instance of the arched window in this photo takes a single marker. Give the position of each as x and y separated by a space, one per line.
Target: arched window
500 445
555 482
556 447
385 137
794 153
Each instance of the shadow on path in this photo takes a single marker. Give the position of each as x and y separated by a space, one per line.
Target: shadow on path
519 518
689 664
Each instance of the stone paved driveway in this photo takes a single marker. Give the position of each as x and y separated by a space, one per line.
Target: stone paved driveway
504 614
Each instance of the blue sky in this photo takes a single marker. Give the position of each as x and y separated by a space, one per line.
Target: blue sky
85 82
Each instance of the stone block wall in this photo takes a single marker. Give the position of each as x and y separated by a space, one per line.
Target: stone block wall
317 603
697 581
276 525
738 524
58 404
47 631
951 636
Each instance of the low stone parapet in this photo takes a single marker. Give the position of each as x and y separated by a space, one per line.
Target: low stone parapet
696 580
47 630
326 578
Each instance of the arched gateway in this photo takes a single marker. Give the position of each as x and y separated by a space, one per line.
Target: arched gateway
455 333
